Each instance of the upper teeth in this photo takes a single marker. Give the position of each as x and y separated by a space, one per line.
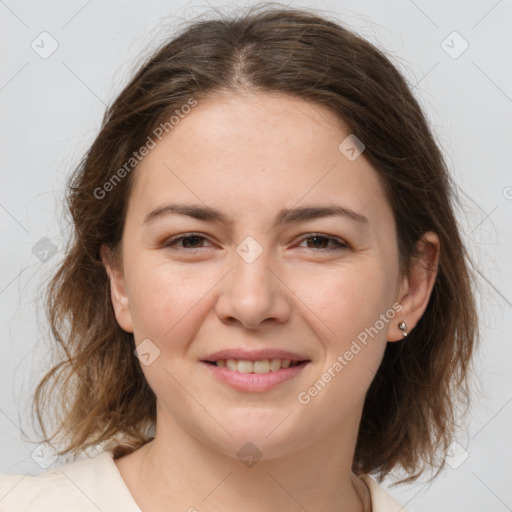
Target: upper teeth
262 366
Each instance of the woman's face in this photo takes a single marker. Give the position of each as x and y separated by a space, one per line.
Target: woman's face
280 245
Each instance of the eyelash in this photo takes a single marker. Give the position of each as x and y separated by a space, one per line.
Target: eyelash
339 247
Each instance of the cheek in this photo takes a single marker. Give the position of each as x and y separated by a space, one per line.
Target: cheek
165 299
168 306
355 308
347 300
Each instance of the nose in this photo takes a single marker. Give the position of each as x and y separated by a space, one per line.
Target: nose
253 293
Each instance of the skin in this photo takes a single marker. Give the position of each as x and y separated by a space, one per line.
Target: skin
250 156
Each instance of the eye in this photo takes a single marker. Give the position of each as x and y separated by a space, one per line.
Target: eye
319 241
187 241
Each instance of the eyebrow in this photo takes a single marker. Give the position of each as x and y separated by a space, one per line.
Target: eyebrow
285 216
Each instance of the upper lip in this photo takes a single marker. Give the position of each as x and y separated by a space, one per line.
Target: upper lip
254 355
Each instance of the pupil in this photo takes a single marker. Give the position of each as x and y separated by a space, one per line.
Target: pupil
187 241
319 239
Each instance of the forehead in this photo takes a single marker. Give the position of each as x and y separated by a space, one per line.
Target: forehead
256 150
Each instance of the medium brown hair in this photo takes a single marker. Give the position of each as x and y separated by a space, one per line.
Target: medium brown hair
99 391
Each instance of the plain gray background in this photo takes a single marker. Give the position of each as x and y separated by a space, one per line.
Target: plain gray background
51 109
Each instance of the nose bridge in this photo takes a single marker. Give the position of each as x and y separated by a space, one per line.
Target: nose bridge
252 293
251 284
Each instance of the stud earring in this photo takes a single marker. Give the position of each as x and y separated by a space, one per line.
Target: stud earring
403 327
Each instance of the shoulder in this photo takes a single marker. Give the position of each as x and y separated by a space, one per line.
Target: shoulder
381 501
90 484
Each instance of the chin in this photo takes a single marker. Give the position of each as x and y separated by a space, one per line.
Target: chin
257 434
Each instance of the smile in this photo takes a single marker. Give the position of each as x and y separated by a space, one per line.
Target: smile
254 376
261 366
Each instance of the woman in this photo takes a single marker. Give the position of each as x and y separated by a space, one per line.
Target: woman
266 298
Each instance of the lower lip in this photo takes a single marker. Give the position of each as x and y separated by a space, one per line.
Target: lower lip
255 382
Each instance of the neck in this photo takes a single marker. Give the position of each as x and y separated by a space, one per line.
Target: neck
178 470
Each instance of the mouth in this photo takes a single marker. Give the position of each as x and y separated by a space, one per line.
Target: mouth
254 373
260 367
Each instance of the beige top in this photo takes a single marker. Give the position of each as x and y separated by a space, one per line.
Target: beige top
94 484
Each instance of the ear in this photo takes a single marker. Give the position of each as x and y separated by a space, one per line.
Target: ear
417 286
118 292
